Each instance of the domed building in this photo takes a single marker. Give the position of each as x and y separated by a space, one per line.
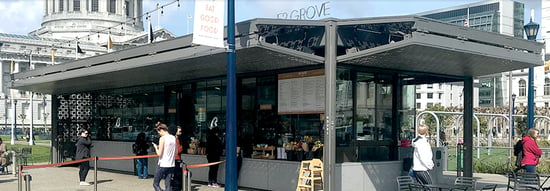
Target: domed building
93 19
90 22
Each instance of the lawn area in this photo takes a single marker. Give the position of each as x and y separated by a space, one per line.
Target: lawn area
493 161
40 152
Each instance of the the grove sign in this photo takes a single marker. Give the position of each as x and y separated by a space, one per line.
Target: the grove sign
307 13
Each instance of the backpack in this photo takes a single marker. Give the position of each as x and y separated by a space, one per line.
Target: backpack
518 152
135 148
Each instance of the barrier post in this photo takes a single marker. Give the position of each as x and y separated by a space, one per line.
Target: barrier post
19 181
459 159
95 173
28 179
188 181
184 176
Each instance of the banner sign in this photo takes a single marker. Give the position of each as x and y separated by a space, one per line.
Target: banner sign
208 24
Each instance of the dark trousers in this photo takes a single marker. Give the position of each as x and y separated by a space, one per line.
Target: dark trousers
177 179
83 172
213 169
163 173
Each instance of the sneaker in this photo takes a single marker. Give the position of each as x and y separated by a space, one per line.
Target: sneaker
209 185
84 184
215 185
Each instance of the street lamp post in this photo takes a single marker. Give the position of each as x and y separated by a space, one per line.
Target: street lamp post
531 30
512 131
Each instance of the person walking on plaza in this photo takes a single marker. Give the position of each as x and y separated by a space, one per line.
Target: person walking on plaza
166 150
83 146
141 148
531 151
178 173
213 153
422 156
3 155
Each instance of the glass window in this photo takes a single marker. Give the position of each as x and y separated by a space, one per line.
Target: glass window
95 5
112 6
76 5
522 88
430 86
418 95
430 95
60 5
373 117
127 8
547 86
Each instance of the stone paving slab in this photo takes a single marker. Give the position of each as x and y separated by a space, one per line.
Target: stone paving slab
66 179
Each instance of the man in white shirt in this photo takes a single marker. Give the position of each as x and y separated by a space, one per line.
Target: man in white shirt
166 150
422 158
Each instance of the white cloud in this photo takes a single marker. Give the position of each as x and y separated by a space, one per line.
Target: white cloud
21 17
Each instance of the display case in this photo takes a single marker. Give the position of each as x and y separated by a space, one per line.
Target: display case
263 152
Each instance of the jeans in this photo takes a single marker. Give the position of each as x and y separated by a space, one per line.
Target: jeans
83 172
165 173
141 167
530 168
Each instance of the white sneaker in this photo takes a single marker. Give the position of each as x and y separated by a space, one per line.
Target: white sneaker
84 184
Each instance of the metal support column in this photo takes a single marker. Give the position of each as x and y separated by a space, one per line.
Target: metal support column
530 99
468 126
329 154
231 113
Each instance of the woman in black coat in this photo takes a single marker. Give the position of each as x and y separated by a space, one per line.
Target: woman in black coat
83 146
214 149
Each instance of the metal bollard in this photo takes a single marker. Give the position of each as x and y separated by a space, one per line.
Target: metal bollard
95 172
186 182
19 180
28 179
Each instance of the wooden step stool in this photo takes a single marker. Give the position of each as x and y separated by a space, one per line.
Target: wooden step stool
311 175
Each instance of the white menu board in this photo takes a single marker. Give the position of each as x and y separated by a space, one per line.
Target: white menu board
301 92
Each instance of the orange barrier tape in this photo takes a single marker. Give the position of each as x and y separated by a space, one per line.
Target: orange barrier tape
127 157
203 165
57 164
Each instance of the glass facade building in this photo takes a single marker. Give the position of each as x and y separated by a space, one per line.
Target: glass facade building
499 16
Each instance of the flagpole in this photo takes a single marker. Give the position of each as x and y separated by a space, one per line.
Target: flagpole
231 130
76 50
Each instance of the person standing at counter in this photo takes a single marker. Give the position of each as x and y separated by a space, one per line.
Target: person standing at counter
422 156
166 150
178 172
140 149
214 149
83 146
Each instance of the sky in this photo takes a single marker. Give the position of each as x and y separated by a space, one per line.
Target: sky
24 16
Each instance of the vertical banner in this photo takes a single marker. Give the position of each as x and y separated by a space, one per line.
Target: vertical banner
208 24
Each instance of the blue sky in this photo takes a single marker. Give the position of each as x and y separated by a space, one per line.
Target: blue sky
23 16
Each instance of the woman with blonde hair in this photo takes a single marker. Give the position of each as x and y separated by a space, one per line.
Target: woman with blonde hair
531 151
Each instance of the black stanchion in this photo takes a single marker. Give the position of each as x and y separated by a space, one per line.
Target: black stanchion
95 172
187 177
28 179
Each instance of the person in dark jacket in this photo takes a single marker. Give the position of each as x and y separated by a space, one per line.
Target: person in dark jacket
83 146
214 149
531 151
141 148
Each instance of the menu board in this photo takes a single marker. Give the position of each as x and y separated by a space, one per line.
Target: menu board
301 92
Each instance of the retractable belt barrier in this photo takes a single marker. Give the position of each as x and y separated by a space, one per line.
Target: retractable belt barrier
27 177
